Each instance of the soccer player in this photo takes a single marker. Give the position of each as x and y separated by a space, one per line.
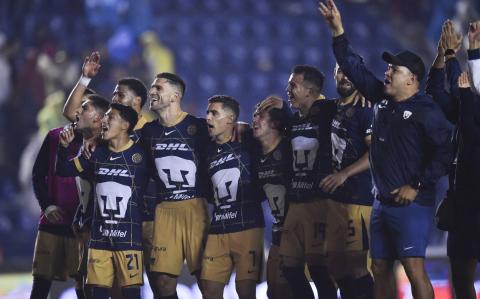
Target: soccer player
176 144
89 123
235 238
458 213
56 250
305 229
119 172
274 167
129 92
304 234
410 150
350 186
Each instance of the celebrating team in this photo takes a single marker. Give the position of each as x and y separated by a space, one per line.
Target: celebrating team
144 187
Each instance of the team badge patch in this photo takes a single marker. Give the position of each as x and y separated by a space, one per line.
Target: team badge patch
191 130
137 158
406 114
277 155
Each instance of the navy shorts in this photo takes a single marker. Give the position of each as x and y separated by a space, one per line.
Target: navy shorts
400 231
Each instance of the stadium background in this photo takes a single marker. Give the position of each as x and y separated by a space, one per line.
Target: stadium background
244 48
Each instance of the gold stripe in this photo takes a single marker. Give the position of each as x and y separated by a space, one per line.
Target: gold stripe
77 163
142 120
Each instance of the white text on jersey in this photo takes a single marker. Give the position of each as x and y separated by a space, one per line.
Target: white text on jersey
171 147
113 172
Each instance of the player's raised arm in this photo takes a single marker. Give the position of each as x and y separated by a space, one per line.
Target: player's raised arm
474 55
436 76
350 62
90 69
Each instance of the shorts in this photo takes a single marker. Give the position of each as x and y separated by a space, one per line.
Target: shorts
348 226
125 266
55 256
305 230
180 232
242 251
400 231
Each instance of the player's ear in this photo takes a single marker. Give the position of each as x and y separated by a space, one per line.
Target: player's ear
124 125
177 96
137 102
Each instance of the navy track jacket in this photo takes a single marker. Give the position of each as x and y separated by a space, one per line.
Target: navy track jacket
411 140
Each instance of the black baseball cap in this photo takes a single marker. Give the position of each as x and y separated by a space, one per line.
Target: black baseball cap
126 113
407 59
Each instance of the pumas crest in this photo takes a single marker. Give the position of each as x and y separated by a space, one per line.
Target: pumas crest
407 114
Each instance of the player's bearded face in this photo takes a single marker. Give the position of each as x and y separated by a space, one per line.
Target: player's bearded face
161 94
345 87
123 95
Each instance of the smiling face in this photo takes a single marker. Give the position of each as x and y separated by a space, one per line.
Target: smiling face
162 94
219 120
298 92
87 116
345 87
398 79
113 125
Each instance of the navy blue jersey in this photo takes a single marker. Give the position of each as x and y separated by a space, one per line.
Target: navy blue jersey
274 171
150 196
312 151
350 126
237 201
119 183
178 153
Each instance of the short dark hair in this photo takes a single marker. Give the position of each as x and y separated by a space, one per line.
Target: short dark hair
100 103
279 117
311 75
126 113
174 80
227 102
137 86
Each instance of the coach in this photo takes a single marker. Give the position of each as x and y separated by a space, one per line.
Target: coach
410 151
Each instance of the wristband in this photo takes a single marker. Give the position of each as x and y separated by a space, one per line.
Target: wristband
84 81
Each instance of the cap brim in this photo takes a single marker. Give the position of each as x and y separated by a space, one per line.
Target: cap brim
390 58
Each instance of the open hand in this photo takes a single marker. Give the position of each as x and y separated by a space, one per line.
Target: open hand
474 35
452 40
91 65
332 16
